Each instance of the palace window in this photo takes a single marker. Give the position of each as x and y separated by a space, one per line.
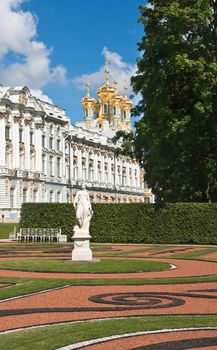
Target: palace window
51 196
51 166
51 142
83 169
31 138
90 171
58 196
124 177
99 171
114 110
75 168
58 145
7 132
125 115
43 162
20 135
106 172
43 140
105 108
34 198
24 195
58 167
113 173
130 174
119 174
11 197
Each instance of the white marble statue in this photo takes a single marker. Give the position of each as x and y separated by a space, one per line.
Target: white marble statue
83 210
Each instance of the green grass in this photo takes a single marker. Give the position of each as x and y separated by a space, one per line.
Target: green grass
6 229
195 254
103 266
50 338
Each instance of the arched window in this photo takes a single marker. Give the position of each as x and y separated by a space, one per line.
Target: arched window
51 196
114 110
35 195
24 195
58 196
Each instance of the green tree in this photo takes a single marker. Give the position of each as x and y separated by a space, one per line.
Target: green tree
176 136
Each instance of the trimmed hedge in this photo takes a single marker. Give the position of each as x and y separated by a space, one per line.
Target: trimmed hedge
194 223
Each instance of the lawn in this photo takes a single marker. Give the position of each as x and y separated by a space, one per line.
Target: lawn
6 229
103 266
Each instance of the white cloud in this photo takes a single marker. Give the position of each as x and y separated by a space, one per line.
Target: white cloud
18 36
39 94
119 70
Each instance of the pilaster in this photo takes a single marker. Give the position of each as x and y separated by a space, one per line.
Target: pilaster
3 117
27 123
15 140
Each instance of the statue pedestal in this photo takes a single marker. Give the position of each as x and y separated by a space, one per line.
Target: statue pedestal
81 251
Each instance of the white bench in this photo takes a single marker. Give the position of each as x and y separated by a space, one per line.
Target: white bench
41 235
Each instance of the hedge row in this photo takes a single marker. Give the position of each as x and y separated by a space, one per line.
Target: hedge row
132 223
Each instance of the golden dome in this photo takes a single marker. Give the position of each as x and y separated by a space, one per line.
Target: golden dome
106 91
126 103
88 101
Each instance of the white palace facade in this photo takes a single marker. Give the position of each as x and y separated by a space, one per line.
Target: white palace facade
45 158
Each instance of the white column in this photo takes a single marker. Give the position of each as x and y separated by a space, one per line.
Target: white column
38 147
2 138
27 123
15 141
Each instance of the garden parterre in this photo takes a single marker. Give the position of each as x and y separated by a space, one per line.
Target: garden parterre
177 289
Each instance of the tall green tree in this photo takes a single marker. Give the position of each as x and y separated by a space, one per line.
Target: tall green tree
176 136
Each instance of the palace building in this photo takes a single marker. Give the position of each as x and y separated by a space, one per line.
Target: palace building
45 158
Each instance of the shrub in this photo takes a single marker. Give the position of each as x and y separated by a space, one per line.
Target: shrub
132 223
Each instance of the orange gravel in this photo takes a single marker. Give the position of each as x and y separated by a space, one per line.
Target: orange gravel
78 297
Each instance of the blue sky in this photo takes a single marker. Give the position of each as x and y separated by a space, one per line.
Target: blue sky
54 46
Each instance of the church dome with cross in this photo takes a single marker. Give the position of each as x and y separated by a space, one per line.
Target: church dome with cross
110 108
